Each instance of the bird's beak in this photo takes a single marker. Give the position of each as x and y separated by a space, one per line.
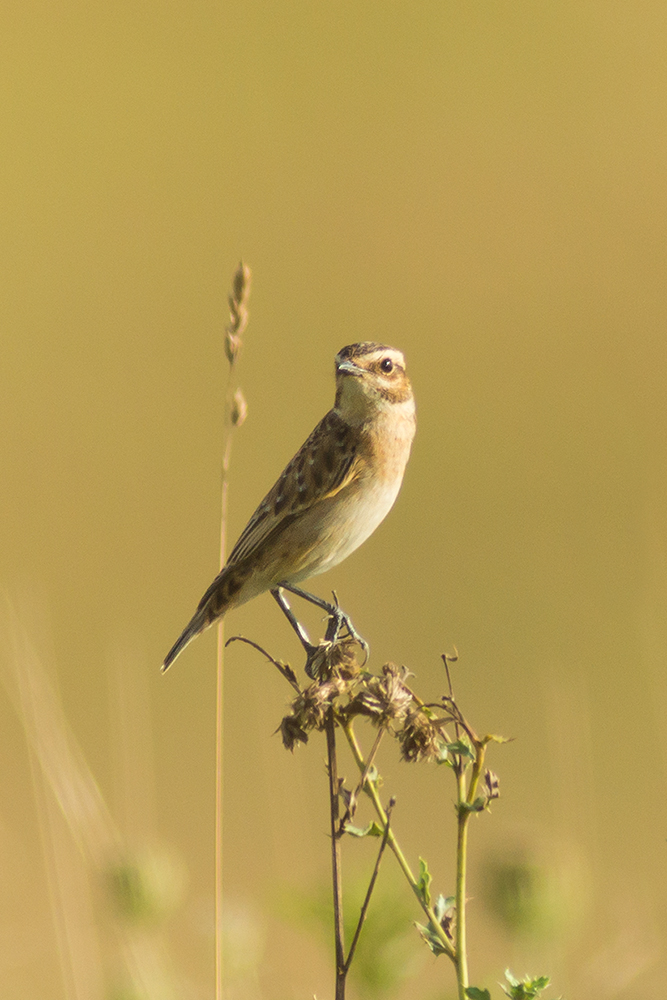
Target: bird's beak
347 368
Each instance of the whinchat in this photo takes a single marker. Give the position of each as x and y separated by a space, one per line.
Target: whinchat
334 493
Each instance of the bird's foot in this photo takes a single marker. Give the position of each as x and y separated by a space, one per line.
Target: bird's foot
339 620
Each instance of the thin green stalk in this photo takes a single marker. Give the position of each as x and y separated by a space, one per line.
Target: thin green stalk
465 797
463 814
371 790
369 893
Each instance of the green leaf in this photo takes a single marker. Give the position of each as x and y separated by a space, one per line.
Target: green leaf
424 882
476 994
461 748
372 830
525 989
442 904
432 939
541 982
479 805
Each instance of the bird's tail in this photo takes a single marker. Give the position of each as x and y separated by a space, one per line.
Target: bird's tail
220 596
197 624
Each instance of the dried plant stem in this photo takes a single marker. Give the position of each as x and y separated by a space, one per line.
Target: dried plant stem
219 733
341 693
336 855
219 717
234 415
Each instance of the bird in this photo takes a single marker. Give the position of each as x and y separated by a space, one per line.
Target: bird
331 496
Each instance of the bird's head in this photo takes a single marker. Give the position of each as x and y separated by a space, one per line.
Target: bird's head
370 377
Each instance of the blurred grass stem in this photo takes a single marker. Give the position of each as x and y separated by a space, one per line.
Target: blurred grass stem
234 415
80 841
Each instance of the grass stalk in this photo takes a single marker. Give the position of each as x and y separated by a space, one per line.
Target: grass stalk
234 415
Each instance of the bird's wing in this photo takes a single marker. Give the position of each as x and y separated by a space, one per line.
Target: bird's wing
326 463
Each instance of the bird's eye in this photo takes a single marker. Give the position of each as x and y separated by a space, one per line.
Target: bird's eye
387 365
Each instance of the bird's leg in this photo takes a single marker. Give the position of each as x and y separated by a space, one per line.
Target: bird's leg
339 618
283 604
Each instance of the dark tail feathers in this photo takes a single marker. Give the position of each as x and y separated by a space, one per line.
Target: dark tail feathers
198 623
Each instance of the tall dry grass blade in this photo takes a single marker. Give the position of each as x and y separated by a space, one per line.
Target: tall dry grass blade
80 839
74 825
234 416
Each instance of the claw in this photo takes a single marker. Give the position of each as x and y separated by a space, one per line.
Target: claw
337 620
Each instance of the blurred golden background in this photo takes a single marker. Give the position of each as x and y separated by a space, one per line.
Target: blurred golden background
481 185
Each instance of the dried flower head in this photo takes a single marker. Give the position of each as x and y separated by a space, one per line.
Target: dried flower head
292 732
336 659
385 699
309 710
420 737
343 659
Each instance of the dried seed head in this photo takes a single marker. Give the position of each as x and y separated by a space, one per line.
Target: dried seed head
311 706
420 738
239 409
292 732
385 699
238 313
343 659
241 282
318 661
232 343
336 659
